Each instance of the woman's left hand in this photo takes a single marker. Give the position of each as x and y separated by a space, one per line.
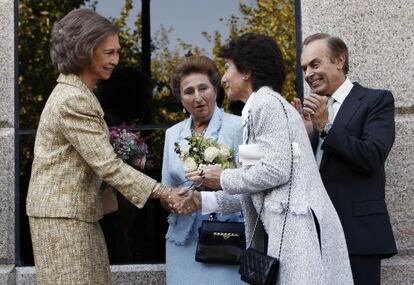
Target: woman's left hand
196 177
211 176
208 177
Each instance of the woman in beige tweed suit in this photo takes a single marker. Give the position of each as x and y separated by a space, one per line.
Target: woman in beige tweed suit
72 156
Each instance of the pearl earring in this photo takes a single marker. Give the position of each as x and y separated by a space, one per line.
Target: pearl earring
184 110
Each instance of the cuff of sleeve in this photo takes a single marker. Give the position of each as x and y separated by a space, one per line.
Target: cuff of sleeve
225 182
221 180
208 203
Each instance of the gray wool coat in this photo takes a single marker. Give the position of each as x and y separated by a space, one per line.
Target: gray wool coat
303 259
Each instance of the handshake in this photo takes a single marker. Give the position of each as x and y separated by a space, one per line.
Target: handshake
182 201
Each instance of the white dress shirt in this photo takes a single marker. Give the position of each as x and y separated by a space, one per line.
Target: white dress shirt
339 97
340 94
245 116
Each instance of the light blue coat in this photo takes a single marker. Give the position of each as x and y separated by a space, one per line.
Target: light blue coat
182 233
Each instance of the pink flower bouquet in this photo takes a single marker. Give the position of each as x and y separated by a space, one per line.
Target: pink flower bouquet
129 147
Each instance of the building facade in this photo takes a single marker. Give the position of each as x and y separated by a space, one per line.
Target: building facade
380 37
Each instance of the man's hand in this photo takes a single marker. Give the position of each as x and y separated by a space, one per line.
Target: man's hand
306 118
316 107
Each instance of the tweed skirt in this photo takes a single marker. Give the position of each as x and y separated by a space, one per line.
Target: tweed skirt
69 251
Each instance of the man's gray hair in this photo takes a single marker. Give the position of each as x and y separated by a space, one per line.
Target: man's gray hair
336 45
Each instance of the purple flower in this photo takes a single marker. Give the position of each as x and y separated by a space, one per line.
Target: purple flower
128 146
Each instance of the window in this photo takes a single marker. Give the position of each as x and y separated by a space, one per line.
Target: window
146 105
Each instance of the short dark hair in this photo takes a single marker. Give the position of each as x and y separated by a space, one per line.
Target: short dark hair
74 38
336 46
194 64
259 54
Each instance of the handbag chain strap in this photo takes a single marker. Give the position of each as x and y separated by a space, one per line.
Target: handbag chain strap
290 187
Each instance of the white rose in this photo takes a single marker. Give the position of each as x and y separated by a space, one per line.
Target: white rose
184 149
190 164
202 166
211 153
224 151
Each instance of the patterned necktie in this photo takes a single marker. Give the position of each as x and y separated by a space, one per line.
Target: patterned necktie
331 116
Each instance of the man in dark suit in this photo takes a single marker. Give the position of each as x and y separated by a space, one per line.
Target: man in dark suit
352 131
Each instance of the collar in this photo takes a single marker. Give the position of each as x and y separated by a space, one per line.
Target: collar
74 80
213 127
246 108
340 94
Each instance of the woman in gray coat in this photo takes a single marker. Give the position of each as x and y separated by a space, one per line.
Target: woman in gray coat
314 248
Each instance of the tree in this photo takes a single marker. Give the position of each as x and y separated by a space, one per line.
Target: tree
37 77
130 40
36 73
275 18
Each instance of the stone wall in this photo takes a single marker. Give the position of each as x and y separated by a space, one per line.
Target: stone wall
380 38
7 163
121 274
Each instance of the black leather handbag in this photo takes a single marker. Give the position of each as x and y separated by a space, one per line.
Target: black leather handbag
220 242
258 268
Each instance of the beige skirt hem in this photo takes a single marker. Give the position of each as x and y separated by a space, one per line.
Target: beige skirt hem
69 251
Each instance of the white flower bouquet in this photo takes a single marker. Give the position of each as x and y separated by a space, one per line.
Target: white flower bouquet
200 152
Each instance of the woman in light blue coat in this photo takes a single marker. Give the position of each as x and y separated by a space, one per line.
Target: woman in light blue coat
195 82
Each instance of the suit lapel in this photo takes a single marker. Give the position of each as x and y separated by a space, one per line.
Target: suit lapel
345 113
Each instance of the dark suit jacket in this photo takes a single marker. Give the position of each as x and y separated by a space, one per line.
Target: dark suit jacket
352 169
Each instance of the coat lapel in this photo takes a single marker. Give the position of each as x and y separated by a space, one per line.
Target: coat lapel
347 110
214 126
185 130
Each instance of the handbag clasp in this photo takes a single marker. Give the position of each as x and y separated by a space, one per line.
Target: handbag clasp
226 236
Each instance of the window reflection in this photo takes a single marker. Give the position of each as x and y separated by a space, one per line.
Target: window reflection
129 98
133 235
126 97
26 144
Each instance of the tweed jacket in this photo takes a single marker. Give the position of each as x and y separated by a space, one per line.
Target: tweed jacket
72 155
306 257
223 128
